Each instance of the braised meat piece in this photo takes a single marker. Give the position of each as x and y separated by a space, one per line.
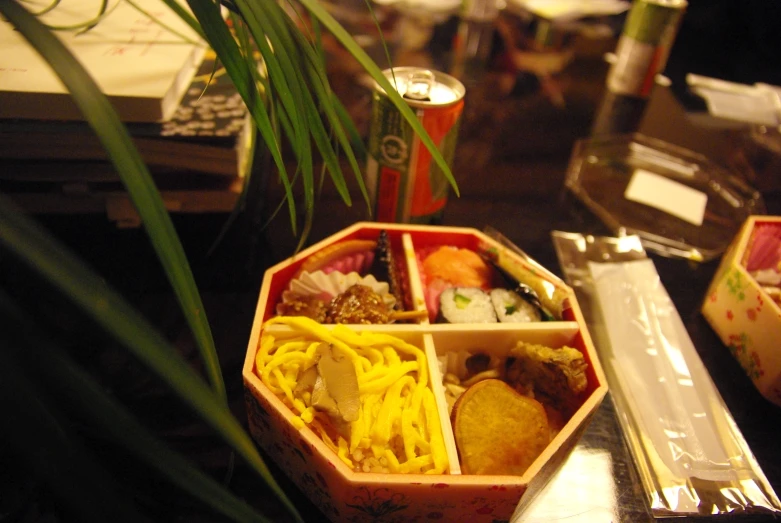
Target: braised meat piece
358 304
300 305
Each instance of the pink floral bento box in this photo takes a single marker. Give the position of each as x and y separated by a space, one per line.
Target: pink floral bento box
377 443
742 302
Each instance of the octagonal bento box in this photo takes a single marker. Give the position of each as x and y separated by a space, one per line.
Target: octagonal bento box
342 493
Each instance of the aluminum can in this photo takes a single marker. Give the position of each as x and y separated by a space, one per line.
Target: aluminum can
644 45
405 184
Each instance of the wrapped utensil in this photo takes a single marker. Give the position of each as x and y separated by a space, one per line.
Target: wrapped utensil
691 456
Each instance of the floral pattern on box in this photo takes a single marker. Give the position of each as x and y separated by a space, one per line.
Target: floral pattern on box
741 309
740 347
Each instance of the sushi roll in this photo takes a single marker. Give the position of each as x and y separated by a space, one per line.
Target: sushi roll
510 307
466 305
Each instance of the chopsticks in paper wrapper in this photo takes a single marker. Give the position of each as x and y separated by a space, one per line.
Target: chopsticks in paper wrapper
690 454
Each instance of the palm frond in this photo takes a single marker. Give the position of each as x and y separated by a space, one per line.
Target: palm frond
317 11
103 119
57 265
71 384
244 78
287 93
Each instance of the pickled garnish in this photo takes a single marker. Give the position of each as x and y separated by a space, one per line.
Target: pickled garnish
383 267
461 301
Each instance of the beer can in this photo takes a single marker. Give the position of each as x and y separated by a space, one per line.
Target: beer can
644 45
404 182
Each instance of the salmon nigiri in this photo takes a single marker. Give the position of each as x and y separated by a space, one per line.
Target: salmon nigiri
461 267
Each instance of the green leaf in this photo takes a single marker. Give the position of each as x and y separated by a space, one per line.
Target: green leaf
185 15
319 12
103 12
56 264
102 117
288 42
49 448
335 113
67 381
284 78
243 77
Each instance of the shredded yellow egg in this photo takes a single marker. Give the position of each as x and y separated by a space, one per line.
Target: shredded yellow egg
398 427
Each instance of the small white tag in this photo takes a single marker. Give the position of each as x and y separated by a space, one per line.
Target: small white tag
667 195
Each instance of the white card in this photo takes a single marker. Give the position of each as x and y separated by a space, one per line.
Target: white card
667 195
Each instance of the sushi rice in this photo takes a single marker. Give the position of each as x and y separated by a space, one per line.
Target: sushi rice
466 305
512 308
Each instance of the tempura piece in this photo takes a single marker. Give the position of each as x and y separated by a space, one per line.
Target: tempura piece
555 376
358 305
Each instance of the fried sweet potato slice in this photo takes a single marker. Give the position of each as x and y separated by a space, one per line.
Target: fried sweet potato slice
497 430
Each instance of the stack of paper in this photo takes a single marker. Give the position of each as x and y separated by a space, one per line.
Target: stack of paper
184 114
143 65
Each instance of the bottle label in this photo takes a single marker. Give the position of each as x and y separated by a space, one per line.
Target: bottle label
635 68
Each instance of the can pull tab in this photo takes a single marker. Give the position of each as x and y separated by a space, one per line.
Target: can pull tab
419 85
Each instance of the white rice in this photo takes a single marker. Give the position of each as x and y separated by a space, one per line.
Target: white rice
511 308
466 305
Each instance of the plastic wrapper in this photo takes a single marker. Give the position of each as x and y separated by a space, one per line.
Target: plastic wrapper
540 279
690 454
